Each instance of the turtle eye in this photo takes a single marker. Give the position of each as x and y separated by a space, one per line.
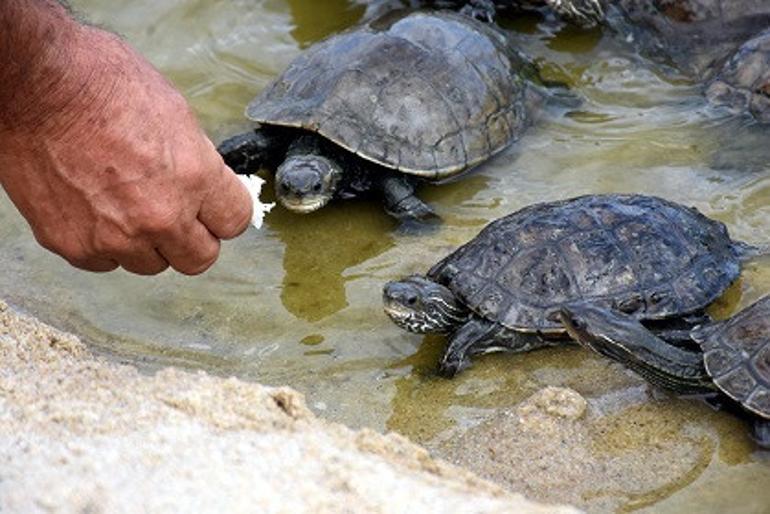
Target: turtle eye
411 301
317 188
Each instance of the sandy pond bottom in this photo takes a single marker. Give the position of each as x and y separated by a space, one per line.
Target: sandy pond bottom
298 302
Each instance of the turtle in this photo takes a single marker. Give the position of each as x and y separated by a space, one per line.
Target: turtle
732 357
743 83
655 260
414 96
721 43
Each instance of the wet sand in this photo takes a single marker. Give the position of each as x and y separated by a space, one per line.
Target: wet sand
80 434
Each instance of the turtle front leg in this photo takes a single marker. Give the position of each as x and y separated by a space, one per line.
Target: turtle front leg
401 202
479 335
245 153
472 338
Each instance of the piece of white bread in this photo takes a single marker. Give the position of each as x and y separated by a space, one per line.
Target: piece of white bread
254 184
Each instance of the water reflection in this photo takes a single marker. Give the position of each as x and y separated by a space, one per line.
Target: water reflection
312 21
320 247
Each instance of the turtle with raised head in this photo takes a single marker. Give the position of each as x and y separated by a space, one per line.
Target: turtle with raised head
734 356
410 97
655 260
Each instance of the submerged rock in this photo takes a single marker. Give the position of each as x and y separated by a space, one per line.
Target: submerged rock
558 445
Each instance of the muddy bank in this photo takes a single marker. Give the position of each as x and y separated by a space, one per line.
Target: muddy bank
78 434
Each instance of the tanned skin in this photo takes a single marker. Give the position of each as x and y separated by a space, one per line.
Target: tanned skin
102 156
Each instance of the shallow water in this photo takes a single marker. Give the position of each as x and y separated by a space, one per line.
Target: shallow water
299 301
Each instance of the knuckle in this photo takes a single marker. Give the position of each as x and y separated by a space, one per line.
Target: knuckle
108 242
49 241
158 220
80 257
236 224
68 248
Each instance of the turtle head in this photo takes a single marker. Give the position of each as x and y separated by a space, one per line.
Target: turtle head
304 183
420 305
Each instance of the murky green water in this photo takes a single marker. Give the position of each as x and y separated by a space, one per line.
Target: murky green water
299 302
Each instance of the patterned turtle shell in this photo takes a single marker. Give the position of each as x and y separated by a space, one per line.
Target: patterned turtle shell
642 255
429 94
736 353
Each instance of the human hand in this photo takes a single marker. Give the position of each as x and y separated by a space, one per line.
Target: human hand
110 167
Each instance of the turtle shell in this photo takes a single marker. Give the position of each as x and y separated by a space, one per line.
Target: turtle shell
743 83
429 94
736 353
694 35
642 255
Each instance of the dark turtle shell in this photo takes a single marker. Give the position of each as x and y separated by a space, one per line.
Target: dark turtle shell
736 353
642 255
743 83
429 94
694 35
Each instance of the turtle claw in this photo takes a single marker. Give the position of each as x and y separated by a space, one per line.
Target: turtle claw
414 214
414 209
420 220
470 339
451 365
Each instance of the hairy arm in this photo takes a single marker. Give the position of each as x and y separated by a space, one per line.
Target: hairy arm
102 156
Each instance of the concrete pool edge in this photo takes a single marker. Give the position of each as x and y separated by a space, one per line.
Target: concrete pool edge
78 433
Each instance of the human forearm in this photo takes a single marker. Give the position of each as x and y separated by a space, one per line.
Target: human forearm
42 67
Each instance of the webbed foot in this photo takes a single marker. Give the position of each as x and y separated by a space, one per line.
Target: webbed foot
402 204
448 367
416 217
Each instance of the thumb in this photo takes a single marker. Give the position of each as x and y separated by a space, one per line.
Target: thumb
227 208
